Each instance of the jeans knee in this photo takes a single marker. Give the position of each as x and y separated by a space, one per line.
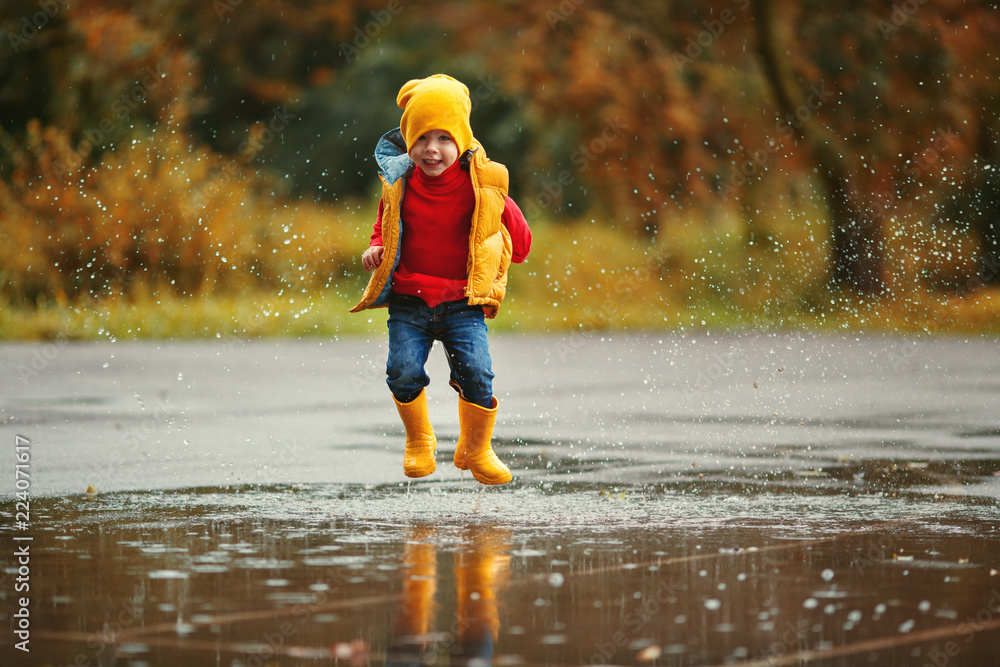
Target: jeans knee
405 378
475 386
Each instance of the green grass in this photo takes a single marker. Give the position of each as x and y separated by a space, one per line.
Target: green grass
84 258
586 276
325 314
244 315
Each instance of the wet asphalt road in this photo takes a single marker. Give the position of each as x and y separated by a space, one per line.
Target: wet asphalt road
130 416
678 499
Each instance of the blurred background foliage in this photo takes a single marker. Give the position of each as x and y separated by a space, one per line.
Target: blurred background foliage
204 167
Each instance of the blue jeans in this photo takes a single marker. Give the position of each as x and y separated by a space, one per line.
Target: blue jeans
461 328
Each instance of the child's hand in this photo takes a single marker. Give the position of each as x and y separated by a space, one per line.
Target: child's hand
372 258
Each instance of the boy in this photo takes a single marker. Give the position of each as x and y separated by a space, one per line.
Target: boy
445 234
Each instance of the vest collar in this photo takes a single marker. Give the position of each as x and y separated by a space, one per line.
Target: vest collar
394 163
391 158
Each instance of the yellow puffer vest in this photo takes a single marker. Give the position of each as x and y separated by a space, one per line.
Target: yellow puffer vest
489 242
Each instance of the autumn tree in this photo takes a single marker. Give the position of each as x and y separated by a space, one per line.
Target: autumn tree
635 112
894 77
860 94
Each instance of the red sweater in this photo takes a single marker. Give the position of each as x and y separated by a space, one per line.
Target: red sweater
437 217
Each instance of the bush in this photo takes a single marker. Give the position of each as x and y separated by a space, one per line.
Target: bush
156 214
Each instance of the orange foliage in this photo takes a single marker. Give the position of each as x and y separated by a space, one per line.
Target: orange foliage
117 197
647 106
153 213
685 80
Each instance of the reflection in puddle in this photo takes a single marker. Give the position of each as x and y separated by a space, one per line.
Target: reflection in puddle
574 574
480 568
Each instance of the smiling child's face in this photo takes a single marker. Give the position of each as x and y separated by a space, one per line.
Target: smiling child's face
434 152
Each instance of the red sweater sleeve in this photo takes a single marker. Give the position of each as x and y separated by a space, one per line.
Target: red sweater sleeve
520 235
377 234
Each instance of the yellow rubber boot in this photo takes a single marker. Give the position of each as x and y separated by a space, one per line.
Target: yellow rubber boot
418 460
481 570
474 451
414 618
460 446
415 611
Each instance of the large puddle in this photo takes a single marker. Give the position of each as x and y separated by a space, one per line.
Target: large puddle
557 573
753 499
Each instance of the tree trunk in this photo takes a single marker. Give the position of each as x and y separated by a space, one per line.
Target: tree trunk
856 243
989 195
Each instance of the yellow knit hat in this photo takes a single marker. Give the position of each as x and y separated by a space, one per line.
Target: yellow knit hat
438 102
